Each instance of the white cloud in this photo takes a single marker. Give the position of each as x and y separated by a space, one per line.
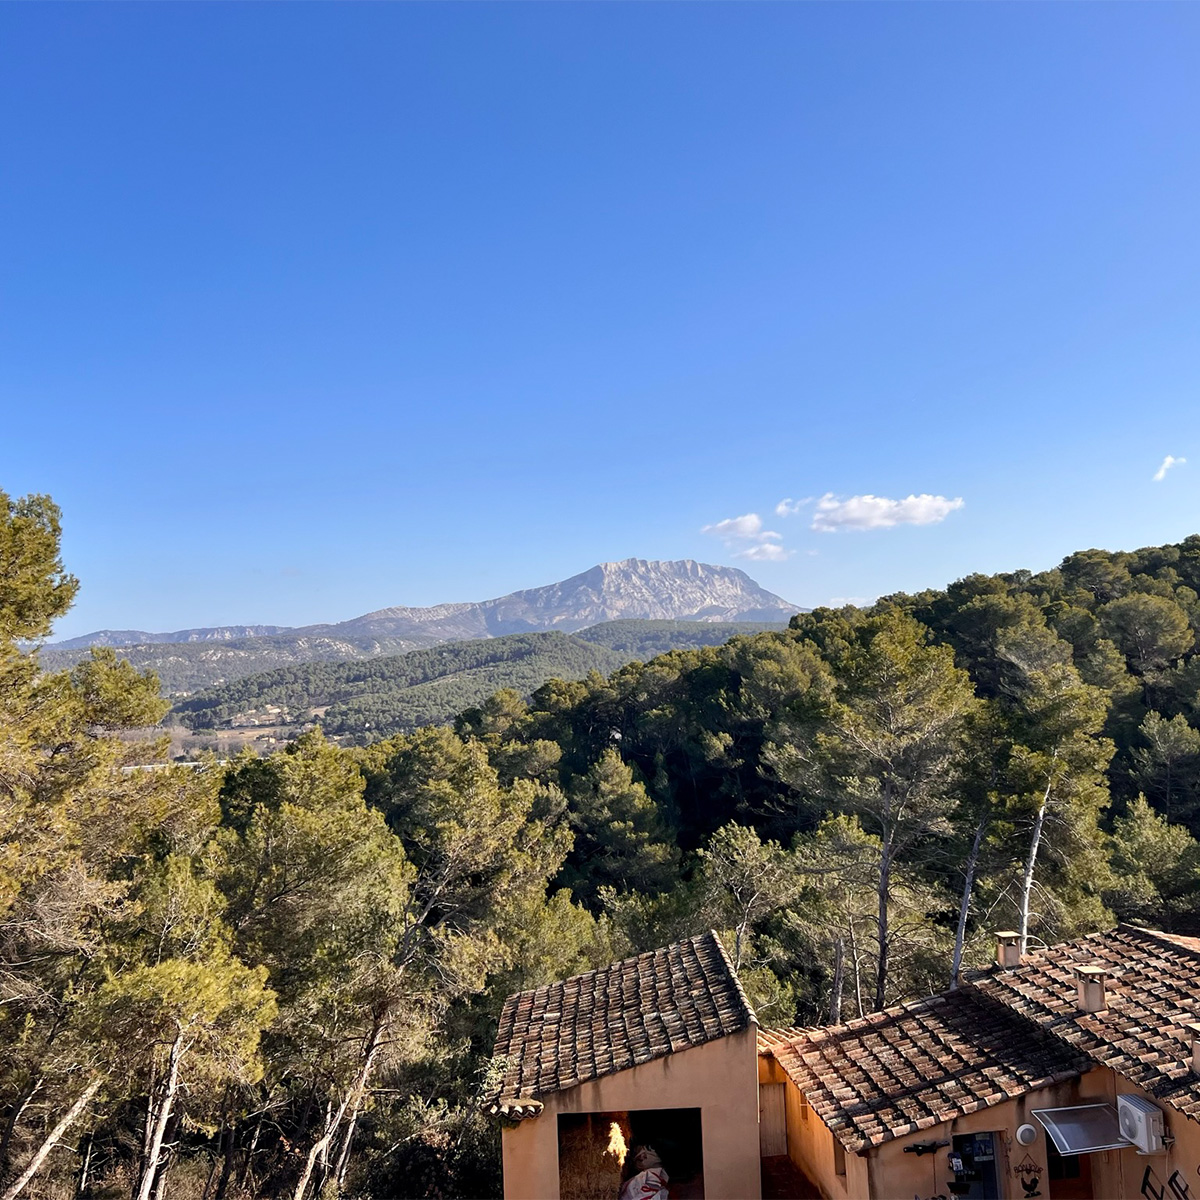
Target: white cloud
749 525
764 552
842 601
789 507
746 536
878 512
1167 463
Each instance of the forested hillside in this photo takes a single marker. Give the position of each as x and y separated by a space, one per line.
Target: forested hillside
280 976
378 697
184 668
190 660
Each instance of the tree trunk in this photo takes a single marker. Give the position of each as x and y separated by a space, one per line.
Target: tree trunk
321 1171
885 890
10 1128
839 977
228 1142
164 1158
320 1147
344 1157
159 1125
86 1169
245 1171
1035 841
69 1118
147 1127
222 1131
857 961
964 907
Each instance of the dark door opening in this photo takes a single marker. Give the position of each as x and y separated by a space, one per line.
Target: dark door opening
597 1152
973 1161
1068 1176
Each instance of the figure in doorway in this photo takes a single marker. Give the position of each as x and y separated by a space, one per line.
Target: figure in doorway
649 1180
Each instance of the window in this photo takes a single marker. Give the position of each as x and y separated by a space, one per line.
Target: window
1061 1166
839 1158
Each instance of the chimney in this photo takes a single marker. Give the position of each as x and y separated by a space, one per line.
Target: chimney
1008 948
1193 1029
1091 989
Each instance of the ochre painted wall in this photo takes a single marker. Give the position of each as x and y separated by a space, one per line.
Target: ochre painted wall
1120 1173
719 1078
888 1173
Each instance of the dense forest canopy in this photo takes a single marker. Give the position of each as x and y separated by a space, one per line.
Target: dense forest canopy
369 699
184 668
279 976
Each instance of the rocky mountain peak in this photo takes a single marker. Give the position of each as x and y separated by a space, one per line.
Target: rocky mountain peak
631 589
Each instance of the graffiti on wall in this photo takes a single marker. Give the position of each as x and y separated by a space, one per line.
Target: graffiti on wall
1176 1187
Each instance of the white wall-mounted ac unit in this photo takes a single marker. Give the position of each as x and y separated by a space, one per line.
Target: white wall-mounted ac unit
1141 1123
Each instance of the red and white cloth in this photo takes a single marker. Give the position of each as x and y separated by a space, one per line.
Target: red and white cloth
646 1185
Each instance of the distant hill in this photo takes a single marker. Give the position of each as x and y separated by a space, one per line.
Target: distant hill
139 637
382 696
635 589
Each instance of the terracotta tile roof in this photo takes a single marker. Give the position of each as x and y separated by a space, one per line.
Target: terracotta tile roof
1004 1033
1152 988
605 1021
909 1068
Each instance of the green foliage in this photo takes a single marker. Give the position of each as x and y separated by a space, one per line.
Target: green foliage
382 696
744 879
379 697
114 695
886 747
216 1006
282 974
621 840
1151 631
639 640
188 668
1167 766
1156 869
34 588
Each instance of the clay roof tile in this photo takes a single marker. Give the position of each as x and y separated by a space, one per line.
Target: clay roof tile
601 1022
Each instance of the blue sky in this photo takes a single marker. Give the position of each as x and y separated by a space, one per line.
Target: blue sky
312 309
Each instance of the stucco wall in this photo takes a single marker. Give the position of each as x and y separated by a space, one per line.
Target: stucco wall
719 1078
888 1172
1121 1173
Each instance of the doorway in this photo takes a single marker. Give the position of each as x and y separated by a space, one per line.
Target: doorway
772 1119
1068 1176
596 1151
973 1161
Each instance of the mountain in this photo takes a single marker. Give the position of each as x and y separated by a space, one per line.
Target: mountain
139 637
382 696
635 589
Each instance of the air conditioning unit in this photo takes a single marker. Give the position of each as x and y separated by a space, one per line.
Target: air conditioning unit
1141 1123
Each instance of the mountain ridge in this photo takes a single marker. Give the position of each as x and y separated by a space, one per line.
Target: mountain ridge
142 637
629 589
